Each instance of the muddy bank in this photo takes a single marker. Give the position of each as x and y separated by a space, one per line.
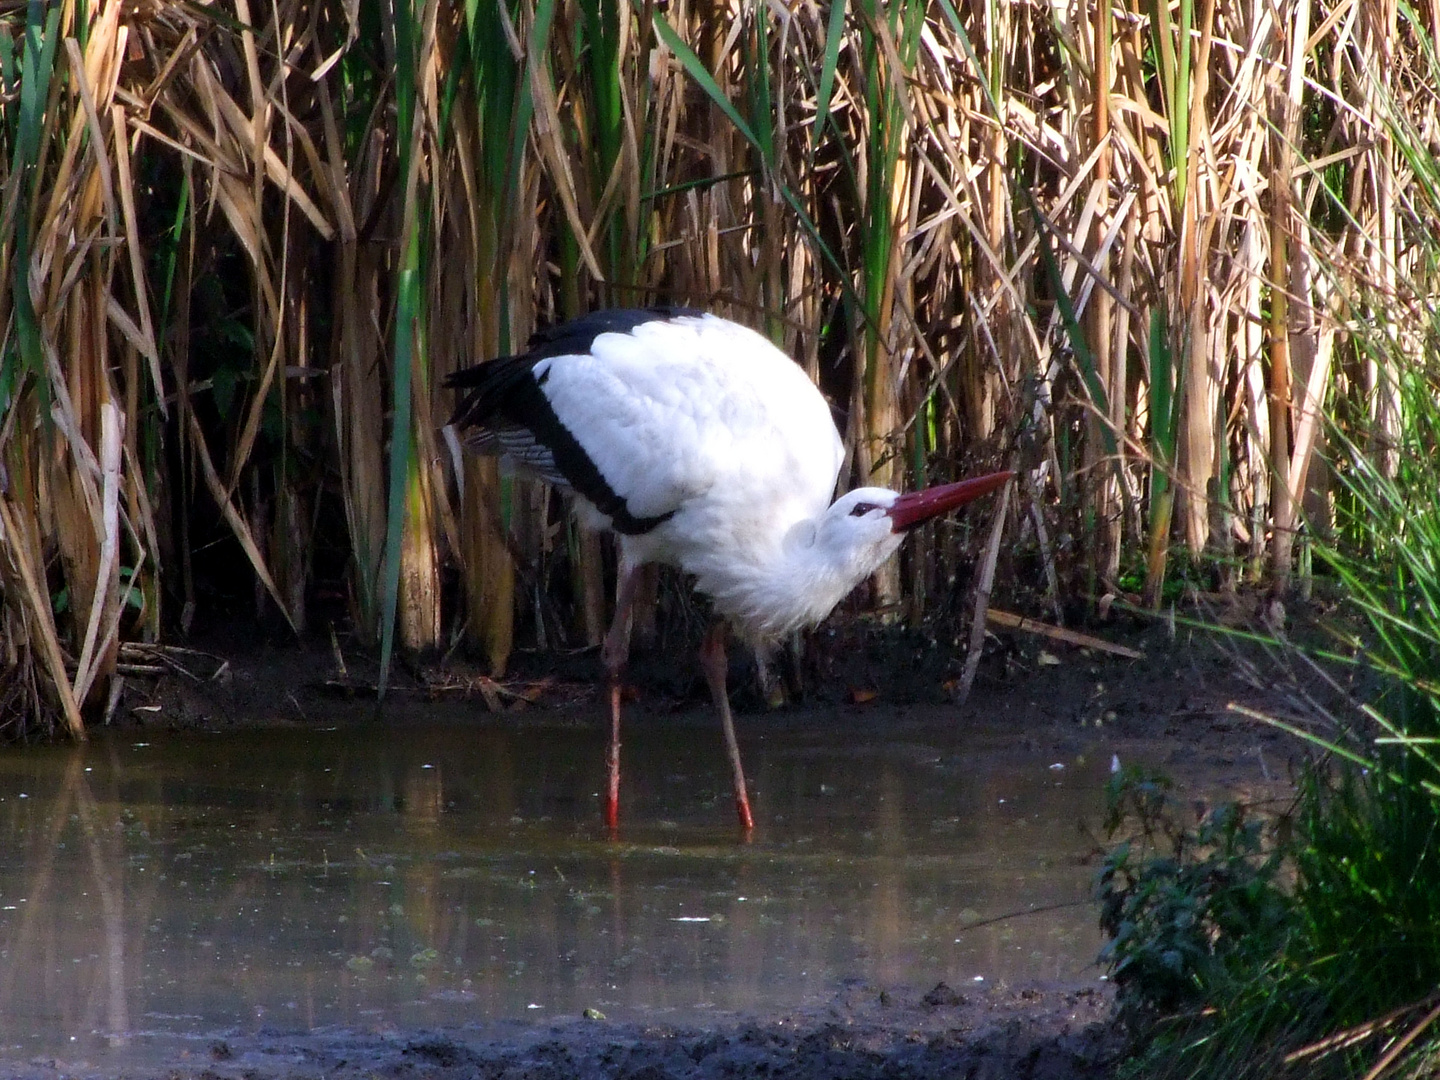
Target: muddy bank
1024 1033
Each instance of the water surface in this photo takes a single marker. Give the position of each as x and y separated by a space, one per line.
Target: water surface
194 885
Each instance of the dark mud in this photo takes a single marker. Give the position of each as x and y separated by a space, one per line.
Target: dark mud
1039 698
1031 1033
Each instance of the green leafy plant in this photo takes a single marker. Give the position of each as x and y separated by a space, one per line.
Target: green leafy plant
1188 910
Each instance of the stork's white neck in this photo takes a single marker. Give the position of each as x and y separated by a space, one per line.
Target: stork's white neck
771 590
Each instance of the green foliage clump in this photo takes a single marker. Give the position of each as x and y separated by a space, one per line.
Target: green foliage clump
1368 891
1245 948
1313 949
1187 911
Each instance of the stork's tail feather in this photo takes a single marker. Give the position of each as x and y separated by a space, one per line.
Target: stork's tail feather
475 375
491 388
505 412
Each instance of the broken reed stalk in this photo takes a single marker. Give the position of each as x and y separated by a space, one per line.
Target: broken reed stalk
1285 259
1105 544
19 548
984 588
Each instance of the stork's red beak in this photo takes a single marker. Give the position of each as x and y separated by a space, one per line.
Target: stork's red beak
916 507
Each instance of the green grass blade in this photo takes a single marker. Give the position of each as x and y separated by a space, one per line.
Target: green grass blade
834 35
42 31
958 28
9 89
1076 334
698 184
698 72
757 78
401 453
169 249
1164 403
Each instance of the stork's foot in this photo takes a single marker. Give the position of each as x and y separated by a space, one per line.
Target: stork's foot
742 811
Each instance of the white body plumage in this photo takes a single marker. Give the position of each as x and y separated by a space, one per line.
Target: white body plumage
707 420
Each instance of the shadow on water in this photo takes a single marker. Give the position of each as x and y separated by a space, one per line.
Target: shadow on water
192 885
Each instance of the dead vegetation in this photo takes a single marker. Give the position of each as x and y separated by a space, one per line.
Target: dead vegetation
1117 246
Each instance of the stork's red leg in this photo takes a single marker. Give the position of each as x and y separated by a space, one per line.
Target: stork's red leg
713 663
613 654
612 760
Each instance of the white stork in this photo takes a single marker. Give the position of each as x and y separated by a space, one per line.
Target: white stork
703 446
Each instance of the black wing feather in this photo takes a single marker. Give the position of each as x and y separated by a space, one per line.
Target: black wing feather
576 336
506 399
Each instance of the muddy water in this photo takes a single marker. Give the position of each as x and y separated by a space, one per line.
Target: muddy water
193 885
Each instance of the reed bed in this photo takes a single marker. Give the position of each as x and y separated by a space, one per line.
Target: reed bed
241 245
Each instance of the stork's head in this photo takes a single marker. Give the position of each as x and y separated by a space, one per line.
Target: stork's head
864 527
823 558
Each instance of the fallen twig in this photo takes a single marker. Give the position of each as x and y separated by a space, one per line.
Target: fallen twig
1012 621
441 684
1350 1036
148 658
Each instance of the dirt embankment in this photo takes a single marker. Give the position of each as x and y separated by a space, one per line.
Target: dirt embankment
1031 1033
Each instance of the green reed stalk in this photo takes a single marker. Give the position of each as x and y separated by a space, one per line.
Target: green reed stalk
695 69
1164 409
493 89
407 329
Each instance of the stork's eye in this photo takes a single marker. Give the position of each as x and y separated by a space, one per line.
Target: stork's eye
861 509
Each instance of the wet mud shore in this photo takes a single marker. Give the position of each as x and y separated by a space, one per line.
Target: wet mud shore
1022 1033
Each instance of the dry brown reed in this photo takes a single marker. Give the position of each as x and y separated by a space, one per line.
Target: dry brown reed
242 244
